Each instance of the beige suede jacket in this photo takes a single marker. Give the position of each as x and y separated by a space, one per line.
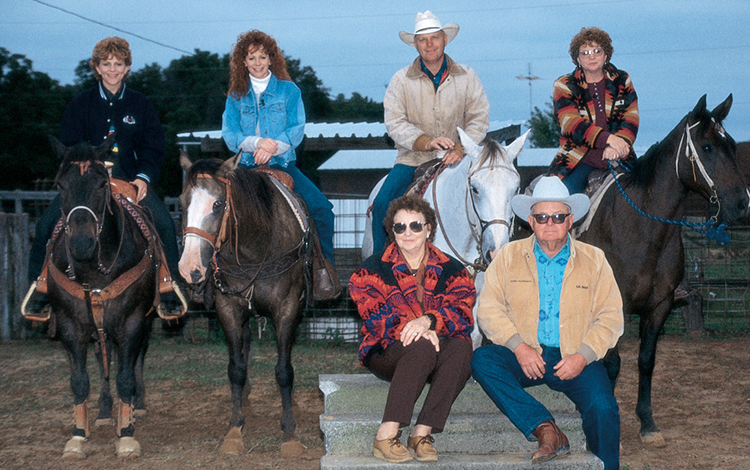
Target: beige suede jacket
591 319
416 113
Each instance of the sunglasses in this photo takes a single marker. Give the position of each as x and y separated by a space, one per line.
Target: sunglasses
542 219
415 227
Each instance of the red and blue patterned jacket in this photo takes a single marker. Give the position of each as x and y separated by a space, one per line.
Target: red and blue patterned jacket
575 112
385 293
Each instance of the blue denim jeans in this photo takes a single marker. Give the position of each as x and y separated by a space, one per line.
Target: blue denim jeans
394 186
578 179
498 372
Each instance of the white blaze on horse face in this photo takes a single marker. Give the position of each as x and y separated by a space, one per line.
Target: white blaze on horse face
201 206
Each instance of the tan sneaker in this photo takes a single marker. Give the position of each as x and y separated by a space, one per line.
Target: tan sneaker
391 449
421 448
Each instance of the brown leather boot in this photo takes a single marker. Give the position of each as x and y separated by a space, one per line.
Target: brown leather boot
421 448
552 442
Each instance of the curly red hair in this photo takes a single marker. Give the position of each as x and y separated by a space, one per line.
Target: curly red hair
115 47
239 80
587 35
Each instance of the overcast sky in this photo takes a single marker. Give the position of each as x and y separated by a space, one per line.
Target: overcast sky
675 51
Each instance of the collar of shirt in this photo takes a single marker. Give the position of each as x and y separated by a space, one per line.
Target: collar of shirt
438 78
108 95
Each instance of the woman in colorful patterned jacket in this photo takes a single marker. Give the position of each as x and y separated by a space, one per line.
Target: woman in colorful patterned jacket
597 110
416 303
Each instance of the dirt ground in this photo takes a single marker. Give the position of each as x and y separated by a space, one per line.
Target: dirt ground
701 402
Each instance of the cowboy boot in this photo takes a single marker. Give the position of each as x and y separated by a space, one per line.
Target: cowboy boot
552 442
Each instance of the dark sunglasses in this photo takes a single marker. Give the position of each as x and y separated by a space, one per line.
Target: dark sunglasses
415 227
542 219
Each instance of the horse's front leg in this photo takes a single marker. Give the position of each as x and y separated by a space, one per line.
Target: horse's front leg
649 335
236 330
286 327
131 342
79 383
104 418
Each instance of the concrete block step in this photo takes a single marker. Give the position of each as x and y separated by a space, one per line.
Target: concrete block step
353 434
355 393
504 461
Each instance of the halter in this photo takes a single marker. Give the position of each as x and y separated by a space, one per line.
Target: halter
216 240
477 232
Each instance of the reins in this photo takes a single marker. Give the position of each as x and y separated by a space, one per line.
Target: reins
691 154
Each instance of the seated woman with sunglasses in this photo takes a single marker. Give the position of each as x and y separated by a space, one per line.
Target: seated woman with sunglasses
416 303
597 110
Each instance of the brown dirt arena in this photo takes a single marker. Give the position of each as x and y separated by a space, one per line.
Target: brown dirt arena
701 402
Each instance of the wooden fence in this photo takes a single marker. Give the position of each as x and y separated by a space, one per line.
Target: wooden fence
14 249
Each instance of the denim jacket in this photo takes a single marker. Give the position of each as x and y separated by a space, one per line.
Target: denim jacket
281 114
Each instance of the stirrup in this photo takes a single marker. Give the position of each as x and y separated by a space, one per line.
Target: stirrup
169 316
43 315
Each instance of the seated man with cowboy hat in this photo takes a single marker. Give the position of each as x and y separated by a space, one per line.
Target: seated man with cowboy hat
551 307
424 104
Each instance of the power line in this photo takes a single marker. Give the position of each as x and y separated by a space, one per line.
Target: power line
112 27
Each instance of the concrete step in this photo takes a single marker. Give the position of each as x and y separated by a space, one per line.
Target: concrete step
358 393
464 433
504 461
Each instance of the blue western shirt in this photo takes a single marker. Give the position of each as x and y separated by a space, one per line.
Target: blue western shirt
550 276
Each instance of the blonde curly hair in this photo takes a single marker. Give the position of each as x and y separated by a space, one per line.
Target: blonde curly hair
115 47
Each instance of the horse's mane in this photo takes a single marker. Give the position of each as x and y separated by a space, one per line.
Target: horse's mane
251 194
80 152
494 155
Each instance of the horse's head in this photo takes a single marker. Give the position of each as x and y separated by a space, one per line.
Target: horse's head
705 161
204 203
83 182
492 181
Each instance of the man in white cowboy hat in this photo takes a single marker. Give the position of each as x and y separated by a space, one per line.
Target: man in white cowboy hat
424 104
552 309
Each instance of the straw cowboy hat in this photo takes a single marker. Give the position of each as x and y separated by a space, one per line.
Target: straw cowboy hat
428 23
550 189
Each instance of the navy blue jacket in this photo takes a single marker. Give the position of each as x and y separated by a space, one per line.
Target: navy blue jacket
139 135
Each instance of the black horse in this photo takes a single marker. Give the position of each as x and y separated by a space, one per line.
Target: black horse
102 283
647 254
239 224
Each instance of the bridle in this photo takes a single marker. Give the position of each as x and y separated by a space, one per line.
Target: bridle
477 228
695 160
216 240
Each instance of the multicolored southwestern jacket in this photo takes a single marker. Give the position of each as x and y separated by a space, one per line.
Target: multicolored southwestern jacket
385 293
575 111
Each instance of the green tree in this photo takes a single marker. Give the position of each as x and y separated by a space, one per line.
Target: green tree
31 104
545 130
355 109
314 94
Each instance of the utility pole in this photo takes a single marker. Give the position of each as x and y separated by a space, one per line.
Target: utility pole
529 78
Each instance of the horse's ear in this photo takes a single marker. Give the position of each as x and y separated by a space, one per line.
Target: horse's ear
721 111
471 148
60 150
185 162
699 109
231 164
515 148
103 150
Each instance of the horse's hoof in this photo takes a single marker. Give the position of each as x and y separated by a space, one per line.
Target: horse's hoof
653 439
233 442
127 448
74 449
292 449
104 422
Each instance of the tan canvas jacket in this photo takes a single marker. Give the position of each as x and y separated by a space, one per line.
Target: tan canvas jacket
413 108
591 317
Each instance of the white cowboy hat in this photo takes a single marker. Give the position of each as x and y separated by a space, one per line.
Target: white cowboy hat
550 189
427 23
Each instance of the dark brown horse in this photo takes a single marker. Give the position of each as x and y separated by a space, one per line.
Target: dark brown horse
102 283
647 254
241 231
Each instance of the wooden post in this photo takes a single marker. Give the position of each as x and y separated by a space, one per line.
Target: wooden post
14 258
